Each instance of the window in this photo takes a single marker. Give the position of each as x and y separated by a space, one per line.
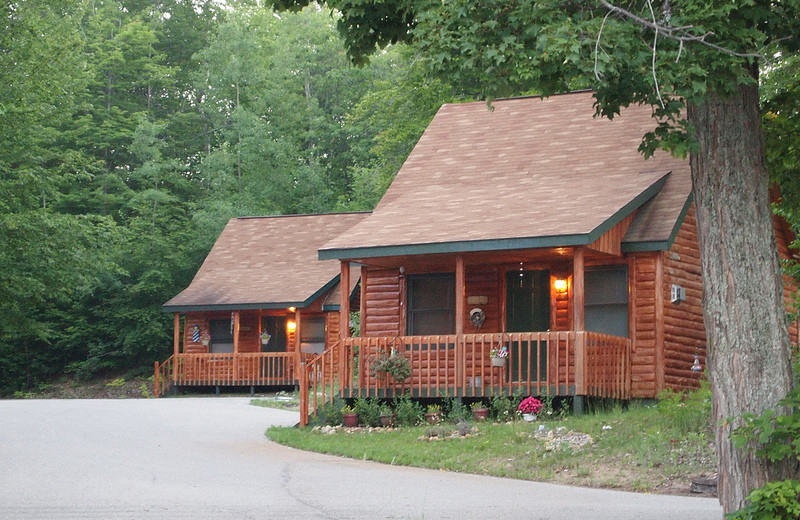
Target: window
606 300
431 302
312 329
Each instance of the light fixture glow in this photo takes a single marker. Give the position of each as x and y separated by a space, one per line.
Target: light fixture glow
292 309
561 284
291 326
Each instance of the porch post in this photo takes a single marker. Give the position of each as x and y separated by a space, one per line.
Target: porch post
344 301
460 291
578 326
176 345
344 320
176 339
363 307
236 326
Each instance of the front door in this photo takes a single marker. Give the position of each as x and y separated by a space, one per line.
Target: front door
221 336
527 310
276 326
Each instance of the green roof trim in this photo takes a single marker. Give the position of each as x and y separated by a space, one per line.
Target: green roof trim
500 244
661 245
254 306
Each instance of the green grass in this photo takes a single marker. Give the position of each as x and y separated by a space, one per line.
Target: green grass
647 448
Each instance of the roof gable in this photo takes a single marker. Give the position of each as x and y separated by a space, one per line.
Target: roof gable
532 172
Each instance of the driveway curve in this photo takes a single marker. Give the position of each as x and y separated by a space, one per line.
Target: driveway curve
208 458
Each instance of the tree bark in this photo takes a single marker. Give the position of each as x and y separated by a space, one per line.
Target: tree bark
749 356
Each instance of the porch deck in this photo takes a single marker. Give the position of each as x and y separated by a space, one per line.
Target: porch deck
564 363
230 370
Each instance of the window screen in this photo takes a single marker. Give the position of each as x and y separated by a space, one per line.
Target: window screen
431 301
606 300
312 329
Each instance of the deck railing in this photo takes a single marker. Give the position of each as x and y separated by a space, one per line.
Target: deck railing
243 369
539 363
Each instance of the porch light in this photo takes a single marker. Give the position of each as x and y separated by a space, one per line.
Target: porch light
292 309
291 325
561 284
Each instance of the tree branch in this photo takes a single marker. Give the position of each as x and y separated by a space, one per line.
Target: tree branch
679 34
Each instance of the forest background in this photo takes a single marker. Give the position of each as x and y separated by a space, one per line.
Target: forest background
131 131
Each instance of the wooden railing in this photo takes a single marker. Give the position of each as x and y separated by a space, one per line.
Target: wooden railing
256 369
608 366
539 363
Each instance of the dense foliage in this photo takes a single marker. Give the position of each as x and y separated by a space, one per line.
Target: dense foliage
130 132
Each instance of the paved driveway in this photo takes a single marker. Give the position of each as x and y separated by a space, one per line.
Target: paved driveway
207 458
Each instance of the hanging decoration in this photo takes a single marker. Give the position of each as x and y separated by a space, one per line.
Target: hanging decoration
196 334
232 314
477 317
696 365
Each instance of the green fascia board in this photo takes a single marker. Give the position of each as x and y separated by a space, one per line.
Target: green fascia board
661 245
500 244
253 306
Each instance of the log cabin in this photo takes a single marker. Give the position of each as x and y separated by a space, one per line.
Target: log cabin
260 302
533 228
537 229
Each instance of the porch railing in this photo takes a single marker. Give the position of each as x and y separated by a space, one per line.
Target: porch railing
539 363
256 369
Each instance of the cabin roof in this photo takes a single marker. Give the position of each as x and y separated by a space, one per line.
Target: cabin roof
267 263
532 172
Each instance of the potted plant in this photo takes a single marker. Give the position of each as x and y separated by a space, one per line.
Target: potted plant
529 408
387 415
479 411
393 366
434 414
265 337
349 416
499 356
205 337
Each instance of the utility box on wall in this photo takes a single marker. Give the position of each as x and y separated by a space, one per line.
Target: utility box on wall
678 294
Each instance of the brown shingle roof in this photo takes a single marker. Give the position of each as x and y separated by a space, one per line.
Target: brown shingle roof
267 262
531 173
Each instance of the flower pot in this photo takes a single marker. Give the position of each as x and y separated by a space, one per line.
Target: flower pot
529 417
204 342
480 414
350 420
387 420
498 361
433 417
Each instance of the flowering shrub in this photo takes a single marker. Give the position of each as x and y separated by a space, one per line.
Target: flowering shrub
205 336
395 366
499 351
530 405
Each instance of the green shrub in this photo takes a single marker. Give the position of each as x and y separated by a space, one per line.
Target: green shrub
686 411
774 501
369 411
503 408
329 413
407 412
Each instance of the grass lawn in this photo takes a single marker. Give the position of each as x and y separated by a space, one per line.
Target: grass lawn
646 448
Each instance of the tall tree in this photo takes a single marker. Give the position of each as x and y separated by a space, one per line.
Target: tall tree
696 64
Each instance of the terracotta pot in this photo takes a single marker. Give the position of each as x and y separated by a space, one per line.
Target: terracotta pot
480 414
387 420
498 361
433 417
350 420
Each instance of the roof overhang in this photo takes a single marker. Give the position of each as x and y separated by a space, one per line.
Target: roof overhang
500 244
253 305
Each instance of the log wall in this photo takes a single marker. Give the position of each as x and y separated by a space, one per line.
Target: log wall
684 332
484 281
784 238
382 294
642 276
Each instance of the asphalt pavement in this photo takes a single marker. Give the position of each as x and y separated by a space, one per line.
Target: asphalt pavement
208 458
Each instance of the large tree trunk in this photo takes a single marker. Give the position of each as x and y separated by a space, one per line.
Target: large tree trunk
749 357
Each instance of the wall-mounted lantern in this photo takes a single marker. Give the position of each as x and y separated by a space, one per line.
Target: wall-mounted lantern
560 285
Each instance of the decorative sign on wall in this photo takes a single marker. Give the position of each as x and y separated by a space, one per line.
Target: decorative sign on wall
477 300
